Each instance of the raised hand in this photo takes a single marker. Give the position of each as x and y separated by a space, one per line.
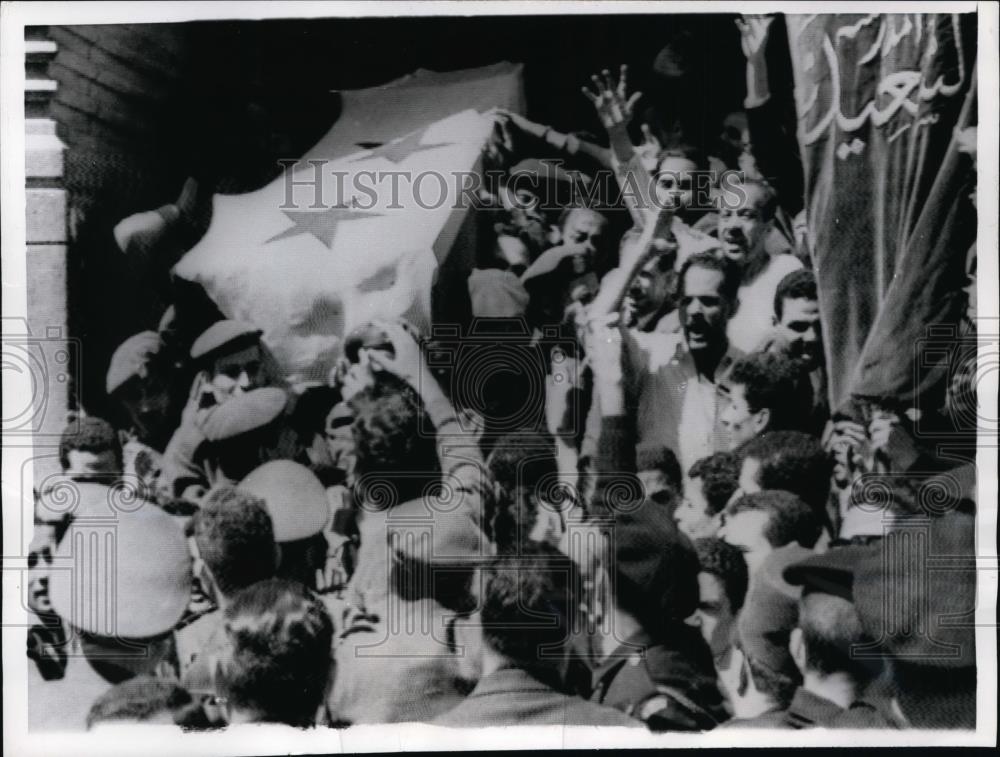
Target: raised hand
754 32
611 102
407 362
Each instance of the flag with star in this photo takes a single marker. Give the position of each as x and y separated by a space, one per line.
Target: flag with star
373 222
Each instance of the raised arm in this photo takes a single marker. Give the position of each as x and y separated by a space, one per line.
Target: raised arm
462 467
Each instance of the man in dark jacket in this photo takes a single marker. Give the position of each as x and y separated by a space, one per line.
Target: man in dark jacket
653 666
519 631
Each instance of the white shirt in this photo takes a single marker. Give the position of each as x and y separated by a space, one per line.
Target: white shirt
754 318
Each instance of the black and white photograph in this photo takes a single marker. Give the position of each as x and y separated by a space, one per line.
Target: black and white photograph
498 375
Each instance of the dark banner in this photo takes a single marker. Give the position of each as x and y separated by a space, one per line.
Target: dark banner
879 98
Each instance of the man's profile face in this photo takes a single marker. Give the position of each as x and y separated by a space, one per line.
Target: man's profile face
741 423
236 373
704 311
799 329
692 513
714 615
745 531
585 227
675 183
651 286
742 226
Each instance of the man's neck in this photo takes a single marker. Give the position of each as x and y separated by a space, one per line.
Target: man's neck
706 361
839 688
492 662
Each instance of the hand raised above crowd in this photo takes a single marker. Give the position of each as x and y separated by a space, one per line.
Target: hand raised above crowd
611 102
754 32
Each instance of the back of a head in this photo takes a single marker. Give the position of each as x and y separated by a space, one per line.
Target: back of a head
235 538
528 604
523 468
92 435
726 562
771 381
276 665
655 566
792 461
394 445
719 474
831 628
765 624
790 520
144 699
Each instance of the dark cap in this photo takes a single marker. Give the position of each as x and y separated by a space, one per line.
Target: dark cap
771 611
244 412
232 335
916 590
655 564
131 359
830 573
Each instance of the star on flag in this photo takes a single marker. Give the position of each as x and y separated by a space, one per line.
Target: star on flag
321 224
399 150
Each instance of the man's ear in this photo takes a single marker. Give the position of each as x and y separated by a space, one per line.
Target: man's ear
761 419
797 647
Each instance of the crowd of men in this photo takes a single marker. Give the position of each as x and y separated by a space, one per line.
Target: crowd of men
671 529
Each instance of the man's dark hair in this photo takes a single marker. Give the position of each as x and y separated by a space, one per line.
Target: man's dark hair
524 466
792 461
727 563
89 434
720 478
277 661
789 518
797 285
528 602
143 698
235 538
708 261
771 380
393 441
663 459
688 152
830 628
